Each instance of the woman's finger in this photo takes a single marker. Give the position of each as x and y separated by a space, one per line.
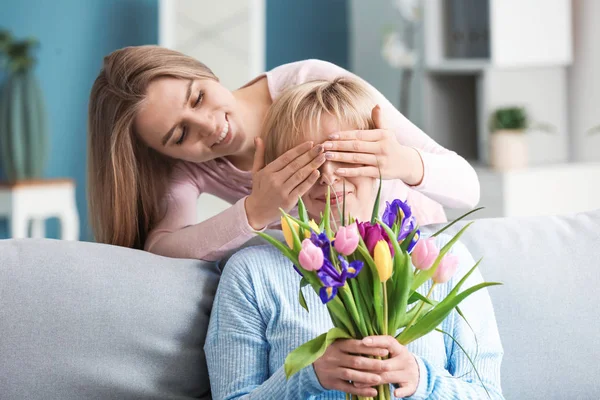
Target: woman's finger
305 186
371 172
384 342
301 161
361 363
301 175
259 156
352 158
365 135
354 146
352 346
289 156
352 375
346 387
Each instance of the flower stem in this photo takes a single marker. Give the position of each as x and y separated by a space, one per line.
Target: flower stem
412 321
385 309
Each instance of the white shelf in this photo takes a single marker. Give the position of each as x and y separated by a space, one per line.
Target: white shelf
553 189
459 66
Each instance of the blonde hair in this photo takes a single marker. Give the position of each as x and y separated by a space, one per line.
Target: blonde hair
295 116
126 178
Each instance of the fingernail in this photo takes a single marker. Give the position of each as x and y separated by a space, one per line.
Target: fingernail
318 148
327 145
340 171
334 136
329 156
366 340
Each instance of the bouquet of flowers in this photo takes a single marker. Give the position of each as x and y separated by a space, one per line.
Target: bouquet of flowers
367 273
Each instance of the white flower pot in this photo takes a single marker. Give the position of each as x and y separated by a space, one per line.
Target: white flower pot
508 150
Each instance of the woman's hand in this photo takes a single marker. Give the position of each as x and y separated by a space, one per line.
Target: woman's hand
400 368
377 149
279 184
347 360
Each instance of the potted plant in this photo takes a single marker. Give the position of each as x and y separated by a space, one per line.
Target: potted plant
23 125
508 146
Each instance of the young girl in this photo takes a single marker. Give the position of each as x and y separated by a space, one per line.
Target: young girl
257 319
163 130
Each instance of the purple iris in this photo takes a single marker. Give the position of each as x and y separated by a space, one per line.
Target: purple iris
391 215
372 234
413 242
332 278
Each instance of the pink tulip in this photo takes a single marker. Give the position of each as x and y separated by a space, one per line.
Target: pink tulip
425 254
346 239
446 269
311 256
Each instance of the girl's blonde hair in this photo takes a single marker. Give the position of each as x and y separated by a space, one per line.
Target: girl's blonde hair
295 116
126 178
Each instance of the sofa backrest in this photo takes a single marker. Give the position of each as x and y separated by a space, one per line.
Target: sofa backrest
547 309
89 321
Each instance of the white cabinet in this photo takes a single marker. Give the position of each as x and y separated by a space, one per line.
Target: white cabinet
513 33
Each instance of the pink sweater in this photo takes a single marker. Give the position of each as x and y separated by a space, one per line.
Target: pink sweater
448 180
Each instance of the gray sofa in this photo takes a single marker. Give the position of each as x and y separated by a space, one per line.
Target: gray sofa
88 321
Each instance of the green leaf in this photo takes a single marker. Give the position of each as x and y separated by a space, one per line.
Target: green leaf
456 288
375 287
327 216
424 276
301 299
344 203
302 211
309 352
431 320
406 318
468 357
375 212
416 296
456 220
282 247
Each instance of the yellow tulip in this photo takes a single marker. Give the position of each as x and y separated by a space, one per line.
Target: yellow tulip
314 227
383 260
287 231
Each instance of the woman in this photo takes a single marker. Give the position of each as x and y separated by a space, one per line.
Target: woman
163 130
257 319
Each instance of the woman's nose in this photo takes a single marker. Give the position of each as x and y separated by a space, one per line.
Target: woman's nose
328 175
202 123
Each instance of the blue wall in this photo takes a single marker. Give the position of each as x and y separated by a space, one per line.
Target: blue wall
76 34
301 29
74 37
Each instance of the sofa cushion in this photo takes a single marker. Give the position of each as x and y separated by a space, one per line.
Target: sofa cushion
547 310
89 321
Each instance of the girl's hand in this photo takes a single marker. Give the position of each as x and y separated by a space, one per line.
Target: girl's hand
279 184
400 368
377 149
347 361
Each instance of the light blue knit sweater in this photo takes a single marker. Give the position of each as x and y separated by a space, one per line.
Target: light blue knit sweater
257 320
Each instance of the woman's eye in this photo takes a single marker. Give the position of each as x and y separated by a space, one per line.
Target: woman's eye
199 99
182 137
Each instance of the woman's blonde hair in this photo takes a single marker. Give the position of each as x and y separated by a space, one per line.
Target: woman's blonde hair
126 178
295 116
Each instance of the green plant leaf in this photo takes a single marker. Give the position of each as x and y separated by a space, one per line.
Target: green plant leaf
327 216
301 299
282 247
432 319
309 352
456 288
406 242
424 276
375 212
468 357
302 210
513 118
456 220
297 241
416 296
406 318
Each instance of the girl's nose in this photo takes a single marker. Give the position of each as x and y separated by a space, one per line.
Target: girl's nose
328 176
